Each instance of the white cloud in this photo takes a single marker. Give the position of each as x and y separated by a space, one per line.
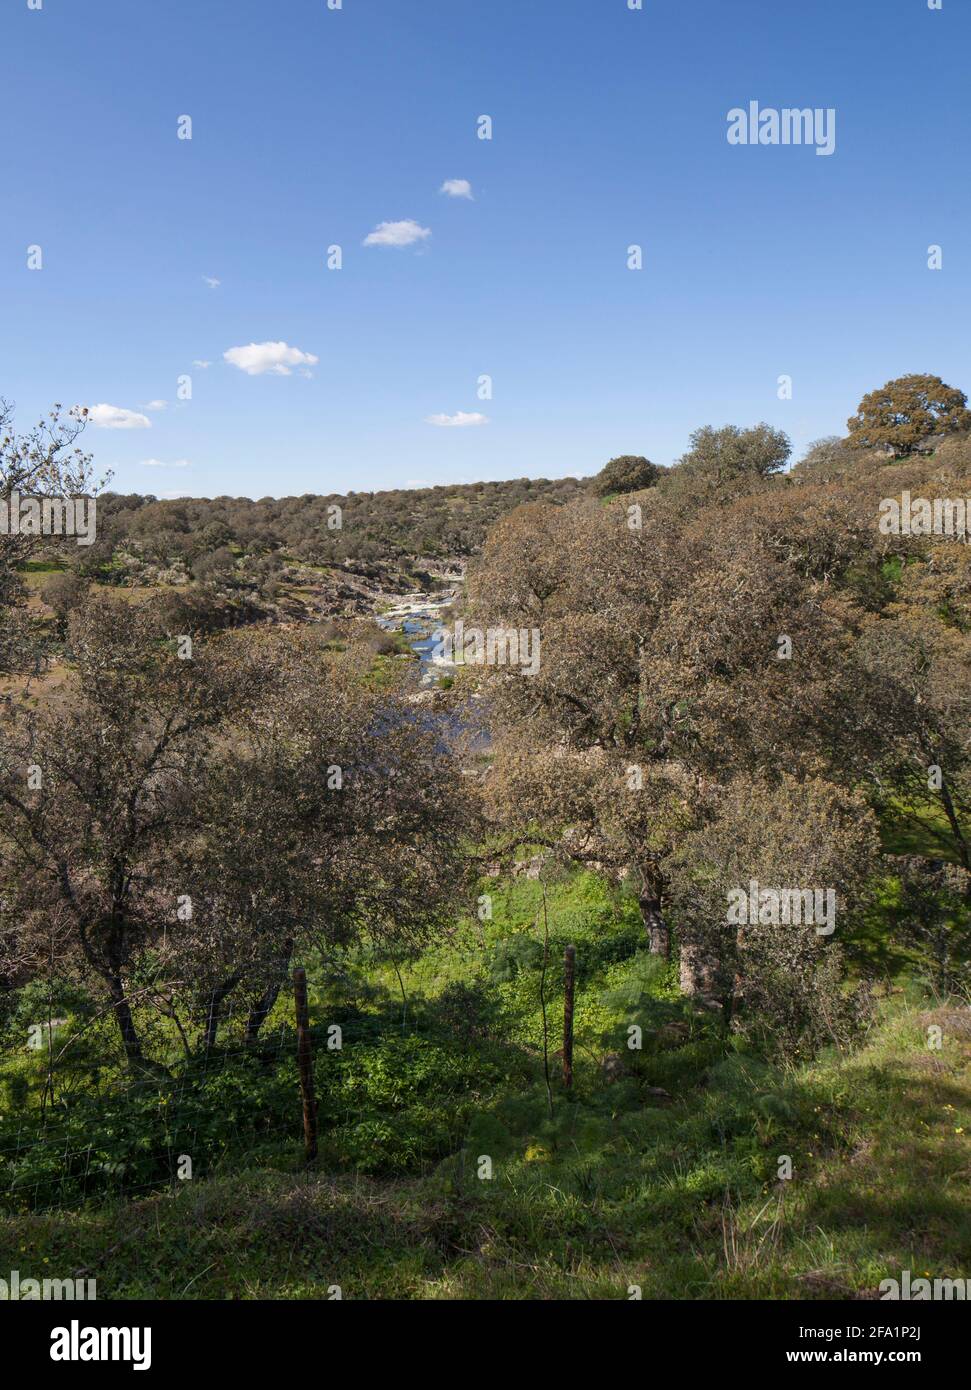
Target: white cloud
157 463
276 358
213 284
197 363
114 417
156 405
418 482
457 188
397 234
459 420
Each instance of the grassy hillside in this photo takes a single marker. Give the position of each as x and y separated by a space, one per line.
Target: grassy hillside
660 1170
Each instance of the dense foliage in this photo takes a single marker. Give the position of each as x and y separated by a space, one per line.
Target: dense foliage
743 678
437 522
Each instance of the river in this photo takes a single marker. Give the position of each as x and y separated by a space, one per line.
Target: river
418 616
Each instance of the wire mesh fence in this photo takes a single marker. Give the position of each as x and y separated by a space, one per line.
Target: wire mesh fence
71 1131
388 1084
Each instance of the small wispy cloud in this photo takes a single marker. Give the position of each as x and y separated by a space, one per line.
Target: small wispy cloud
116 417
460 420
156 405
158 463
397 234
279 359
212 283
457 188
199 363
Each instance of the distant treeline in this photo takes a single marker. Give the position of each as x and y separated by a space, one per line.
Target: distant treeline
438 522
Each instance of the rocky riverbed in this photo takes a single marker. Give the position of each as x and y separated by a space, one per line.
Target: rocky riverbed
418 616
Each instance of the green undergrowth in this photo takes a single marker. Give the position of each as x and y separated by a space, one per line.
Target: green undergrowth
454 1164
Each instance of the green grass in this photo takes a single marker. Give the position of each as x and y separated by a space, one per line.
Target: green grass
919 827
30 567
680 1198
660 1169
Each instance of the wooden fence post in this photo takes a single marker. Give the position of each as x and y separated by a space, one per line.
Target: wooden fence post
569 983
305 1062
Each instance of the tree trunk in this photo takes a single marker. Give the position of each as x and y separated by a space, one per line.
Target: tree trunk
658 934
690 969
964 851
214 1011
261 1010
305 1065
699 970
734 1002
130 1040
212 1021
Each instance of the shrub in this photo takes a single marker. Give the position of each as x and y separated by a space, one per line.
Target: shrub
628 473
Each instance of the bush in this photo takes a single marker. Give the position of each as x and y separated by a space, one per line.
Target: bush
466 1011
63 593
629 473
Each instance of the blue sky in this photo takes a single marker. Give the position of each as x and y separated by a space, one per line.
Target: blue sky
313 126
